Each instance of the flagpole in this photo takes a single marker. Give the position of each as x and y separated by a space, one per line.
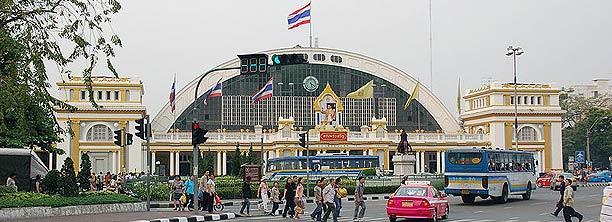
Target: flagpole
310 26
430 51
174 113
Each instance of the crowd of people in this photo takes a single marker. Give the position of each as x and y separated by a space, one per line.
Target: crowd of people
328 194
183 193
111 182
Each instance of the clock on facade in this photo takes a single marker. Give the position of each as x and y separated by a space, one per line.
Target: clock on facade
310 83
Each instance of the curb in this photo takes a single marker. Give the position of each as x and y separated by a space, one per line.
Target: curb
256 202
195 218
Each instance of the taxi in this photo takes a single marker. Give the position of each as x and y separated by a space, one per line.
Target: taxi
417 200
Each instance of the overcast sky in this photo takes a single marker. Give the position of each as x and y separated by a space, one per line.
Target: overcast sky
565 42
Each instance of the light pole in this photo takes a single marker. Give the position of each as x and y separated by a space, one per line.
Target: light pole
515 51
292 102
588 140
280 88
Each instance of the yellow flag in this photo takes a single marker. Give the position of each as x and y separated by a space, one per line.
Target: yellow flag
413 96
365 92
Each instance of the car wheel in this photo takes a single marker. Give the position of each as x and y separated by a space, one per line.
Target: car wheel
504 197
468 199
540 185
392 219
527 194
446 212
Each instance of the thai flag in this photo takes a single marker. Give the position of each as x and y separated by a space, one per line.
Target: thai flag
173 95
299 17
264 93
215 91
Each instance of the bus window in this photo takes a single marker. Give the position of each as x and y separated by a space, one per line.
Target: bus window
469 158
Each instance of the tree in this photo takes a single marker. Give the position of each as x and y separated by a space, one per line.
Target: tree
574 137
68 181
251 158
34 33
85 173
205 163
52 181
236 161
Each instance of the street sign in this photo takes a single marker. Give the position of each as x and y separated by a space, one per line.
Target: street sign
580 156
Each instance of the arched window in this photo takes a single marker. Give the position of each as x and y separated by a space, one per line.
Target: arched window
527 134
99 132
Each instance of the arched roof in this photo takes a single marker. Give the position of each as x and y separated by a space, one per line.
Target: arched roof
184 98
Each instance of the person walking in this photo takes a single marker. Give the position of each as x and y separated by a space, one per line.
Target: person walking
211 187
275 196
568 203
289 196
92 182
300 205
561 191
262 192
360 206
318 194
329 194
189 189
339 195
203 184
178 188
246 195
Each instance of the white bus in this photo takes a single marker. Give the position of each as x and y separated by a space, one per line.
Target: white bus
485 173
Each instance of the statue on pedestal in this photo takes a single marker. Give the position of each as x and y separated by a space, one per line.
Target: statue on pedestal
403 147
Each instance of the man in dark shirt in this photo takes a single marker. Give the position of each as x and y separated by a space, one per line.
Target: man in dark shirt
561 190
289 198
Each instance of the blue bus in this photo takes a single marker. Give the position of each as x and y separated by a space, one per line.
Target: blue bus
325 165
485 173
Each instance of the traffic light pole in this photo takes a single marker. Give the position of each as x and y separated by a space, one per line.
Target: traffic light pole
196 149
124 147
149 161
307 162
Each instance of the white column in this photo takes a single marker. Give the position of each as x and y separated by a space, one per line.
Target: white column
176 162
153 163
114 162
171 163
50 161
365 152
224 163
438 164
418 162
443 162
423 161
219 160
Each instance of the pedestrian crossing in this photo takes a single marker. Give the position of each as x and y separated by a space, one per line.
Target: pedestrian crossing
377 219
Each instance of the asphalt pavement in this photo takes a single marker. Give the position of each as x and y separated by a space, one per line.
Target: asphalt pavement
588 202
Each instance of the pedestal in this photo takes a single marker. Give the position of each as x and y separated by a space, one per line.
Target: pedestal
404 164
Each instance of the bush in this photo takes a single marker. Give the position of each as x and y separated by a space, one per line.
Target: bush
68 182
6 190
369 172
35 200
51 182
84 173
159 190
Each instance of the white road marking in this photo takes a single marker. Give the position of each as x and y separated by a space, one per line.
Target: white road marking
507 207
477 212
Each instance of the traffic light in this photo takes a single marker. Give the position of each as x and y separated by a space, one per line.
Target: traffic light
253 63
303 139
289 59
141 129
198 135
117 137
129 139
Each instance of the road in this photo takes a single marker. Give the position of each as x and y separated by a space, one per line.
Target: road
588 202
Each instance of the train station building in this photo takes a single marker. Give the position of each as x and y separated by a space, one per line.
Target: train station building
313 98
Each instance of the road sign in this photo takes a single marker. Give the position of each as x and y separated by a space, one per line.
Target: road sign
580 156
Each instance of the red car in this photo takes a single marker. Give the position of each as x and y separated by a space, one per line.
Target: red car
544 181
419 201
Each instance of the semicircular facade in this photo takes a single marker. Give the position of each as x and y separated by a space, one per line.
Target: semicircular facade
297 86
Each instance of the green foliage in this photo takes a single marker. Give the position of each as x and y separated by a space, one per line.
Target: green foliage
23 199
207 163
236 161
51 182
84 173
159 188
574 137
68 181
34 34
6 190
369 172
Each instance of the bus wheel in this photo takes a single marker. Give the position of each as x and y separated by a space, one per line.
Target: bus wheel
527 194
468 199
504 197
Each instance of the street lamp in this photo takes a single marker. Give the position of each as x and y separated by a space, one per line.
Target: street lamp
588 142
515 51
280 88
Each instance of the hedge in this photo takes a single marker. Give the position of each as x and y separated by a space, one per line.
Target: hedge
24 199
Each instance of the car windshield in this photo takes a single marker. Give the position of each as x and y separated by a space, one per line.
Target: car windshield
411 191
